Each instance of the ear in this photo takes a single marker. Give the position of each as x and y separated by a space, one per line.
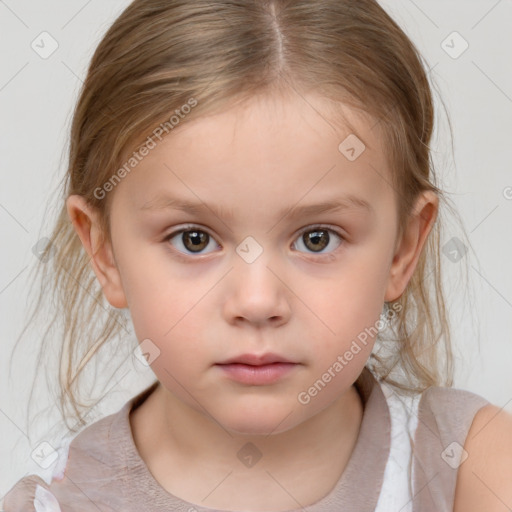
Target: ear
85 220
408 251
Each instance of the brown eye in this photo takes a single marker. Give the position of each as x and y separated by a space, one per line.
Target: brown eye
195 241
316 239
190 241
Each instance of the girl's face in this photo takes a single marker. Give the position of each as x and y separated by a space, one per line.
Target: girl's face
225 247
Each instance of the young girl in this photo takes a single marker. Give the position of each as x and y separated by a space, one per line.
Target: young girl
252 181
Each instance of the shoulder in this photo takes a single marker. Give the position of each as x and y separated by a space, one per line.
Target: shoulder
90 455
447 413
484 480
439 425
30 494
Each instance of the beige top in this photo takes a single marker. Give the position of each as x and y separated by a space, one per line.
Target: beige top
405 458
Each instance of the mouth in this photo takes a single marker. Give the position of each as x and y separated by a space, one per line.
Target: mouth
257 359
254 369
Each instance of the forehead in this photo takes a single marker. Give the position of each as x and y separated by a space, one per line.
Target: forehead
275 122
271 150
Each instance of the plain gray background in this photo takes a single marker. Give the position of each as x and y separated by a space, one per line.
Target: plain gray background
36 99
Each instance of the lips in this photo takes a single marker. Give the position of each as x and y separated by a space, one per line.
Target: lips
257 359
257 370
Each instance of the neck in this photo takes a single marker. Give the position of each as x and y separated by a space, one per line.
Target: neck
188 453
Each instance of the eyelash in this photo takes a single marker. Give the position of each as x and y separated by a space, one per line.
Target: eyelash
192 227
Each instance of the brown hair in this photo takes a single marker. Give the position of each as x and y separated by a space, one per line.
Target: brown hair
160 55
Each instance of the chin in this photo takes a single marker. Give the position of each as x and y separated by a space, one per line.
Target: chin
259 421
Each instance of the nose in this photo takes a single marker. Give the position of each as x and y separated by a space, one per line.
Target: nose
257 294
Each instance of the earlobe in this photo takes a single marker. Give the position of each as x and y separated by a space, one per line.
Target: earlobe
85 220
409 249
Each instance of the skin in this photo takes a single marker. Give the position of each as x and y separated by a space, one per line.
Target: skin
483 479
204 308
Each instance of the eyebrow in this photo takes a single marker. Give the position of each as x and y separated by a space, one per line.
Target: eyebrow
347 202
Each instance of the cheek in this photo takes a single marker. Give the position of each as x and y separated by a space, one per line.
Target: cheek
351 300
167 304
346 314
168 309
158 291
